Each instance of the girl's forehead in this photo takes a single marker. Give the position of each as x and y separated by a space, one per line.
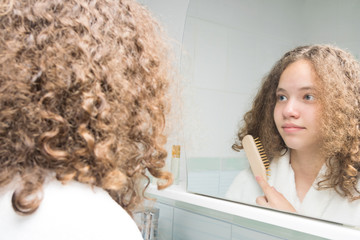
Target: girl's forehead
299 74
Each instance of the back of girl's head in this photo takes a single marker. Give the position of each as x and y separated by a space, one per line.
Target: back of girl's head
337 89
83 96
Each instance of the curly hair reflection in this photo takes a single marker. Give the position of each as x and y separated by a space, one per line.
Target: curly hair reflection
83 97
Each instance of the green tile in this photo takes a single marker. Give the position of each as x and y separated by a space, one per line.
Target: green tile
231 164
203 164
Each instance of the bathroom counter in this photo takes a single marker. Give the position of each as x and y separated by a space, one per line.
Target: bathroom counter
255 215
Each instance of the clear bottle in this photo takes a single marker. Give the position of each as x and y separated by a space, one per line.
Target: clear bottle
149 223
175 163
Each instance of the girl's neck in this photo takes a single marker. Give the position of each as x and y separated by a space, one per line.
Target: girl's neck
306 162
306 166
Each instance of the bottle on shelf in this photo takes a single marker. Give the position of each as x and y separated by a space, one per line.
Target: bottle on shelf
175 163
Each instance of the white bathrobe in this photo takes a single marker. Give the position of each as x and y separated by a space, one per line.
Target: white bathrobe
325 204
71 211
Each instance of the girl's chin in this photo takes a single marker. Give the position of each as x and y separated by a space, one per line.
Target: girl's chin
294 145
297 146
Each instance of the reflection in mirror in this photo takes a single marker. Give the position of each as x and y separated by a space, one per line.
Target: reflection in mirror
229 46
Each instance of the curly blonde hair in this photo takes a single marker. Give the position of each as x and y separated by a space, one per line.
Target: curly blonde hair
339 87
84 96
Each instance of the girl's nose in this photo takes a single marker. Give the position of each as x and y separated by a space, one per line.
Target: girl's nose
291 110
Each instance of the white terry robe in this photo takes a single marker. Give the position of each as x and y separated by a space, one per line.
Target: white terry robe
324 204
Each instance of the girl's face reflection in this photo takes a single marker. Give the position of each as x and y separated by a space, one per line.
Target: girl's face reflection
297 107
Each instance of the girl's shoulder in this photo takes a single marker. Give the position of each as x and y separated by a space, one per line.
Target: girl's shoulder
71 211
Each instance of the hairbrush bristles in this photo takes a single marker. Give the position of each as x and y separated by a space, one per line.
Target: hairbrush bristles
263 155
255 153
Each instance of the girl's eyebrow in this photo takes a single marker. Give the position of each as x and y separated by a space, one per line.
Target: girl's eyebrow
305 88
280 90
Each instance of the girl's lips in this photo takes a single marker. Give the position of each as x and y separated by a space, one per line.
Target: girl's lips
292 128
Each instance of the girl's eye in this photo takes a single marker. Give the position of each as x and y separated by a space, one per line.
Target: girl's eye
309 97
281 98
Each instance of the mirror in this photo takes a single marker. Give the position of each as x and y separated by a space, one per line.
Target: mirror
228 46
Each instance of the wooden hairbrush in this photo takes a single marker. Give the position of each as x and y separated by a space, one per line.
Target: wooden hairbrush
255 153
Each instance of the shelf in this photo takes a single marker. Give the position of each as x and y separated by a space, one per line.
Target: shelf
289 221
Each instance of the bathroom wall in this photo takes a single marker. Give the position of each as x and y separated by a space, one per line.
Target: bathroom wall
333 20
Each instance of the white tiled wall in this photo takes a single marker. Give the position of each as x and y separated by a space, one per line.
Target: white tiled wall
240 233
165 223
188 226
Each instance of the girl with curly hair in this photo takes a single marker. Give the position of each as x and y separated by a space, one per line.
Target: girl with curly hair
307 115
83 106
